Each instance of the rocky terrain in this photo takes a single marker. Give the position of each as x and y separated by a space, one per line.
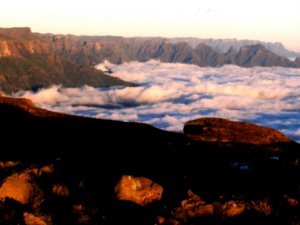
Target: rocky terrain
132 173
32 60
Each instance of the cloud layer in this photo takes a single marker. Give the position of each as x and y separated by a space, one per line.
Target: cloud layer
171 94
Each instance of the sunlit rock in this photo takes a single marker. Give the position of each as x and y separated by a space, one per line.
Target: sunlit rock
139 190
223 130
262 207
233 208
31 219
194 206
167 221
21 188
61 190
17 187
8 164
41 170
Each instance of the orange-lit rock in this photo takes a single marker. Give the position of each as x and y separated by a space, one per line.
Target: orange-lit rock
22 188
291 201
31 219
223 130
47 169
61 190
139 190
41 171
192 201
8 164
17 187
233 208
262 206
78 208
167 221
194 206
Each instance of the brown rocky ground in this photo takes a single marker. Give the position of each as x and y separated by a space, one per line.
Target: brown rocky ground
174 179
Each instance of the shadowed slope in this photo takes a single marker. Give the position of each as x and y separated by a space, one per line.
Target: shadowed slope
106 150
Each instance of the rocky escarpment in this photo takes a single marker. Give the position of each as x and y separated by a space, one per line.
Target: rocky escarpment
31 60
223 45
132 173
93 50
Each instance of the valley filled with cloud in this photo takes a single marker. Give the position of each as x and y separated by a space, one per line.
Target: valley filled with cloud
169 94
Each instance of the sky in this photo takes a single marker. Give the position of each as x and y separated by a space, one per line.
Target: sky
275 21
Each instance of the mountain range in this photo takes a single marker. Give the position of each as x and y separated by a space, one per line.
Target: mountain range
223 45
32 60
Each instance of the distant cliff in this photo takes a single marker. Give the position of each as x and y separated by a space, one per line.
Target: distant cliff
93 50
223 45
31 60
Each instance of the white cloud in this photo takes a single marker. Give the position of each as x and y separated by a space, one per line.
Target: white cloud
46 96
171 94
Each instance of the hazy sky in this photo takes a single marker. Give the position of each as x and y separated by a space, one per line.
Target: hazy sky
277 20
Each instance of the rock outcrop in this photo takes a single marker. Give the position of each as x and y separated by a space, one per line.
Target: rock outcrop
18 187
223 130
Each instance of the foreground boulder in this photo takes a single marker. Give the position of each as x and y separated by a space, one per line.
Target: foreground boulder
17 187
223 130
139 190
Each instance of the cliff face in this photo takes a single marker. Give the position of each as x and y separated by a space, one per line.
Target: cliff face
119 50
131 173
30 61
223 45
87 50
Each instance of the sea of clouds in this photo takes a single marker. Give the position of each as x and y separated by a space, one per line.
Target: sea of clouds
171 94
